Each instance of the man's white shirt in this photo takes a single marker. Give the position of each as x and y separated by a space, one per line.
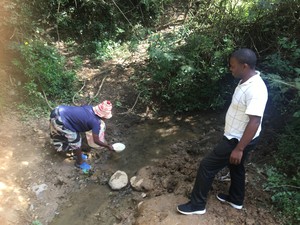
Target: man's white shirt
249 98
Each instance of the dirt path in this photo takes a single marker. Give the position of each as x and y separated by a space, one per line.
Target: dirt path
13 195
30 174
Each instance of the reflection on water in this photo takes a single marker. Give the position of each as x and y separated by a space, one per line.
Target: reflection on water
148 142
144 143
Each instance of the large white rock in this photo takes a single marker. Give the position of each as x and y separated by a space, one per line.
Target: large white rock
118 180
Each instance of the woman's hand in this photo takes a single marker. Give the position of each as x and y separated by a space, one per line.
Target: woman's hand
110 147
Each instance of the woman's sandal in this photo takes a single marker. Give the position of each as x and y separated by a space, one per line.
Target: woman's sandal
84 156
84 166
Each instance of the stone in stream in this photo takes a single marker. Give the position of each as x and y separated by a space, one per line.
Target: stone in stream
118 180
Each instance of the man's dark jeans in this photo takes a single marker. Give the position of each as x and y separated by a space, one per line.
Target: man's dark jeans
212 164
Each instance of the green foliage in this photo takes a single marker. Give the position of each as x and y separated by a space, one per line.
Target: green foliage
284 177
155 9
285 60
255 24
105 50
288 155
285 194
189 66
36 222
282 75
45 70
36 109
86 20
187 70
282 72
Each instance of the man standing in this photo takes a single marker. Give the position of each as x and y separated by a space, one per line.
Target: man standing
242 129
67 122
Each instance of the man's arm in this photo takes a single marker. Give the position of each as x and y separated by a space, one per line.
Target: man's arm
249 133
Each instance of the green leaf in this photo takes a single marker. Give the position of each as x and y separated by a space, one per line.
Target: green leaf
297 70
296 114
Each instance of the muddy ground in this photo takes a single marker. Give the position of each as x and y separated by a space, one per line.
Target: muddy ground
36 182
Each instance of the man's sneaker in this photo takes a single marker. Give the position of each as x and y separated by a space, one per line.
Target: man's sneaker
189 209
225 198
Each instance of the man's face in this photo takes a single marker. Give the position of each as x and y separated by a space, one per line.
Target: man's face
237 69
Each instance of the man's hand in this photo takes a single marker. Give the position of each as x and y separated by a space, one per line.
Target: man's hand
250 130
236 156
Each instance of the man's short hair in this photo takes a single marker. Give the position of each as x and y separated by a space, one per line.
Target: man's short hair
245 55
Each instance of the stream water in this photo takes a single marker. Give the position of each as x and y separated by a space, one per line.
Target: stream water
145 143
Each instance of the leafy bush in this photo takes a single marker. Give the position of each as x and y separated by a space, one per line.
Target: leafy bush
87 20
288 155
284 177
105 50
285 194
45 71
187 69
255 24
282 72
188 66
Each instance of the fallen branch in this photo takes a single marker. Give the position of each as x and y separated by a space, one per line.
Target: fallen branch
102 82
73 99
13 34
254 45
286 185
45 97
130 110
57 31
122 13
11 81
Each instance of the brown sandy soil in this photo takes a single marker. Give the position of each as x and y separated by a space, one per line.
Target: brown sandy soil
27 165
173 180
35 181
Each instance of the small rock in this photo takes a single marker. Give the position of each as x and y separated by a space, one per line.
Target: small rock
136 183
144 195
118 180
94 178
38 189
250 221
